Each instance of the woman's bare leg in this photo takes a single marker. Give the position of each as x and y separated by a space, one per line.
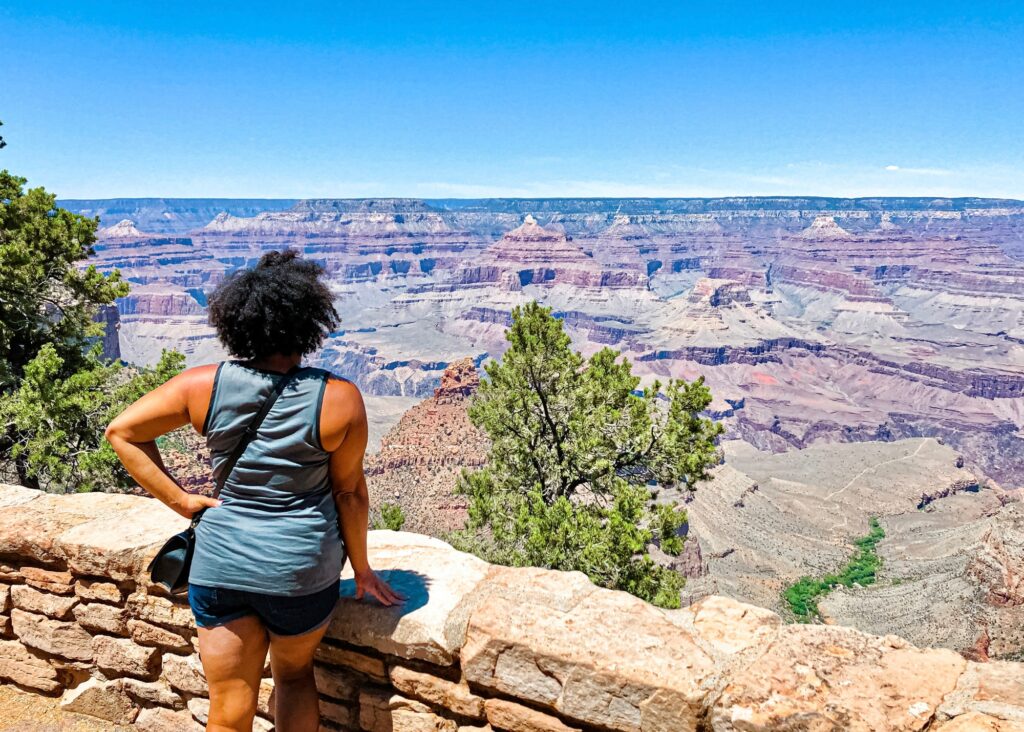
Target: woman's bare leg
233 655
296 703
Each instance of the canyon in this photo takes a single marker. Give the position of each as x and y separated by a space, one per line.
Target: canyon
813 320
866 357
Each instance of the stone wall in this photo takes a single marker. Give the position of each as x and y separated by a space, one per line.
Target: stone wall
476 647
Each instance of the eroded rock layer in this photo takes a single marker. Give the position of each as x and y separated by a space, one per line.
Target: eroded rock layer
813 320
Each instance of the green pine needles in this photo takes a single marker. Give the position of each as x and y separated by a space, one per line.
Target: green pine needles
576 447
57 393
862 569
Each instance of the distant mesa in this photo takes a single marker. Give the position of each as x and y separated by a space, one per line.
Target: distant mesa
530 230
825 227
886 224
223 222
532 243
124 229
623 227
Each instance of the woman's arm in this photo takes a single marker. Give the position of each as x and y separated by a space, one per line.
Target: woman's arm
344 433
133 435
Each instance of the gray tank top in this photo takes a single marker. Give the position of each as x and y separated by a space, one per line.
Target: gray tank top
276 531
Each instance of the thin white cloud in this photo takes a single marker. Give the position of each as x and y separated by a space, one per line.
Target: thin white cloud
918 171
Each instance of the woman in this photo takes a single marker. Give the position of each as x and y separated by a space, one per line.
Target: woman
269 551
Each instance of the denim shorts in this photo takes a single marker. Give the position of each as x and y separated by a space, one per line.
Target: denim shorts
281 614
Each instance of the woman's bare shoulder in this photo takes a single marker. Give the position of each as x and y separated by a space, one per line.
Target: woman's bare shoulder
343 397
195 381
343 410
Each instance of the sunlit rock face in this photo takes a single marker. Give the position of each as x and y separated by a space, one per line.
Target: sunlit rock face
421 457
813 320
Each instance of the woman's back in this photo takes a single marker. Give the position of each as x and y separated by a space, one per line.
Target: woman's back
276 531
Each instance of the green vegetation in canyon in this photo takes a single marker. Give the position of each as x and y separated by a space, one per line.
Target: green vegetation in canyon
576 449
388 516
802 596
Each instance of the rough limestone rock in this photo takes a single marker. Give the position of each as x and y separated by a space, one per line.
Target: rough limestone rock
152 692
728 627
147 634
432 576
372 667
337 683
165 720
266 698
481 648
19 665
338 713
120 656
160 610
200 709
33 532
119 545
548 641
60 583
16 495
101 618
103 699
67 640
185 673
506 715
438 691
32 600
99 591
381 711
837 678
993 689
977 722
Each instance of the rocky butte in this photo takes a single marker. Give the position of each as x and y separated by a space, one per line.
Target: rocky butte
476 647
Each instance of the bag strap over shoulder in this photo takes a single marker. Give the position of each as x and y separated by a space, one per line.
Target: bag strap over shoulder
251 430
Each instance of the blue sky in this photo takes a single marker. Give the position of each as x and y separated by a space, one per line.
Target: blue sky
303 99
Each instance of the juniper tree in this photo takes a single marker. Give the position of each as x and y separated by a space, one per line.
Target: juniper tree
56 390
60 418
576 447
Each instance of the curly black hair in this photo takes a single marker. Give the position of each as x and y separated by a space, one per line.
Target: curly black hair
279 306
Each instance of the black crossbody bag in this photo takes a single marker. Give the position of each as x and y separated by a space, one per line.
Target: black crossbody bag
171 564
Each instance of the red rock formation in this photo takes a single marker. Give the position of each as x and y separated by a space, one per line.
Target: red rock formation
999 565
420 459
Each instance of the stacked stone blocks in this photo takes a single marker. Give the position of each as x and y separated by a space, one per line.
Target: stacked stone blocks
475 646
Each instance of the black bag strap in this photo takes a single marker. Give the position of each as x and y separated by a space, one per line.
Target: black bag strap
250 433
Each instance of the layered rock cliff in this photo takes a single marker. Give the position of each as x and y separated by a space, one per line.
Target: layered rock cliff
828 320
475 646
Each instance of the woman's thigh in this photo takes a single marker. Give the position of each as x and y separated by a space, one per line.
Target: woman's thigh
233 657
291 656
